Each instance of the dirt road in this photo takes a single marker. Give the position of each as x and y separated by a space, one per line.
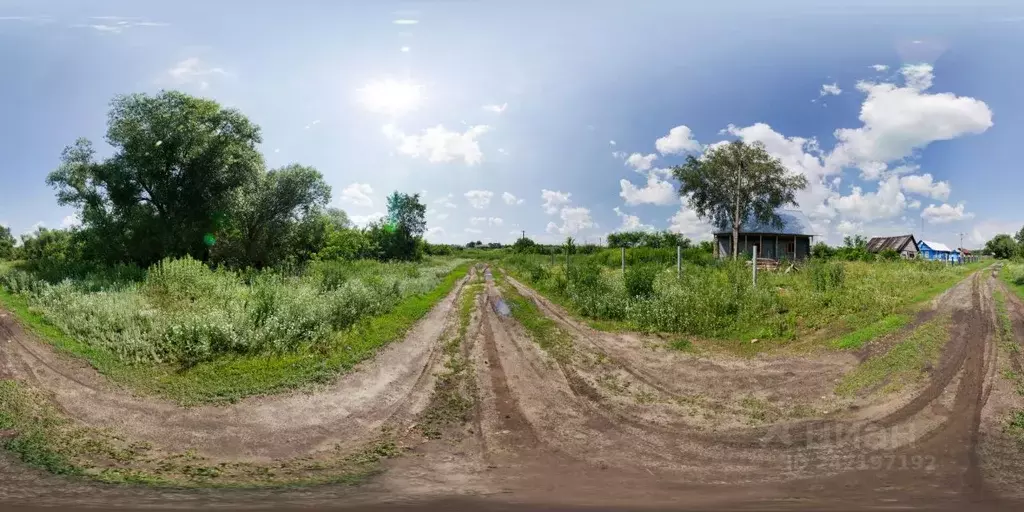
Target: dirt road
614 420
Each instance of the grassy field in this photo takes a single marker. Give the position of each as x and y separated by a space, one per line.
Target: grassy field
195 335
852 302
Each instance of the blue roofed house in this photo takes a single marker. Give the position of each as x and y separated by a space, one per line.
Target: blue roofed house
937 252
790 242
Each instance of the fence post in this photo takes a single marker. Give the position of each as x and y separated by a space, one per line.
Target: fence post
623 260
679 261
755 265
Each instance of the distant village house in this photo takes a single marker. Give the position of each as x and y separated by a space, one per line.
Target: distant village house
790 242
937 252
905 245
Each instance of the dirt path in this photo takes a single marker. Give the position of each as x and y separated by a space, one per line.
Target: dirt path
612 425
392 386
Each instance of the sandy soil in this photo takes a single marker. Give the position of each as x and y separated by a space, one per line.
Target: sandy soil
622 423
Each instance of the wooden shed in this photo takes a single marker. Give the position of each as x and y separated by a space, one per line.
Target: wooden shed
790 242
905 245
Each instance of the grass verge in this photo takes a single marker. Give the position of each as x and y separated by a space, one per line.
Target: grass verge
455 390
37 433
542 329
229 379
859 337
904 363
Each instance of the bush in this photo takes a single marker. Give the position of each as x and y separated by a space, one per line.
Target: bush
184 312
639 280
889 255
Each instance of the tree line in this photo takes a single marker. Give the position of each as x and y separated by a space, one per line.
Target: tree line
186 179
1004 246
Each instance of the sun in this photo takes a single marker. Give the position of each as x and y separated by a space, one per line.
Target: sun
390 96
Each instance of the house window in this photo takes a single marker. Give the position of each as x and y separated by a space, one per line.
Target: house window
791 247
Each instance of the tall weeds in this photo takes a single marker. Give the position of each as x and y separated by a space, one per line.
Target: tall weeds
720 300
183 312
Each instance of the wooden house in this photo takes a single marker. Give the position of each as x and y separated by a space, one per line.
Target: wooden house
905 245
937 251
790 242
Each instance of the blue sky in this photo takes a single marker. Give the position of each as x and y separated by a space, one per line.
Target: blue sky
904 117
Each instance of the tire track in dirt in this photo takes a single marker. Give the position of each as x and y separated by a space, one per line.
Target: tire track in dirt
963 376
816 377
391 387
547 440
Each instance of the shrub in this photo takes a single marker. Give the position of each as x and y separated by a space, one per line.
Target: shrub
184 312
639 280
889 255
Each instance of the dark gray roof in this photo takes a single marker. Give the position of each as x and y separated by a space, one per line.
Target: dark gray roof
794 222
896 243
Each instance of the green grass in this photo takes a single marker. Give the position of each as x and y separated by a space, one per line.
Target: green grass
837 304
544 331
1005 330
1015 425
454 391
230 378
901 365
45 439
1012 273
857 338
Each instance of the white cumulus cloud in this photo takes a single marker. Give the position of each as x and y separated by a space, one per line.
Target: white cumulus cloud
631 222
656 191
641 162
438 144
918 76
887 202
686 222
71 221
945 213
898 120
511 199
880 67
830 89
357 194
574 220
924 185
679 140
479 198
553 200
363 220
486 221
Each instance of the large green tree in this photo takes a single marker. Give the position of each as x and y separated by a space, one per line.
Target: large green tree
177 166
1019 237
265 220
733 182
399 235
7 242
1002 246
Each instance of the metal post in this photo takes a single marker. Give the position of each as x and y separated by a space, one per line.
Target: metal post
623 261
755 265
679 261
